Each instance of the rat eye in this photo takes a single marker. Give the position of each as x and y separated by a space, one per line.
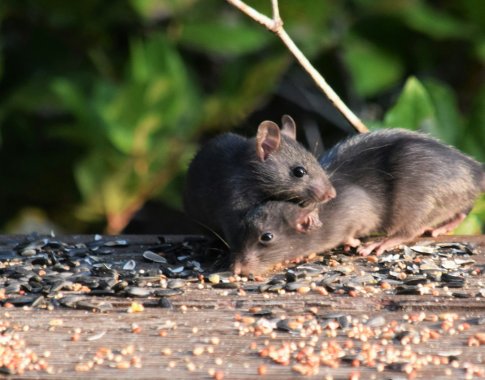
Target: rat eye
299 171
266 237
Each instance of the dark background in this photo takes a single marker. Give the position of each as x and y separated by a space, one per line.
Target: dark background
103 103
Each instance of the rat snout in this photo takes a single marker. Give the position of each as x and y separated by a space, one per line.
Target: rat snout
246 264
323 193
237 267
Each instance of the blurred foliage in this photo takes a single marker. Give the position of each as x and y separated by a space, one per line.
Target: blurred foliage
102 104
139 131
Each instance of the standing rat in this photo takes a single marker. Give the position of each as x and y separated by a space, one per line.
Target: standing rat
232 174
394 181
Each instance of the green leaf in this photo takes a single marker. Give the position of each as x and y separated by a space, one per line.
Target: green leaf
373 69
153 9
223 38
413 110
90 128
107 182
449 123
89 174
311 24
158 98
473 139
477 115
473 224
428 20
73 98
375 125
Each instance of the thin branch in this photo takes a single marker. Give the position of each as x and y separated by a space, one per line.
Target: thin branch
276 12
322 83
276 26
254 14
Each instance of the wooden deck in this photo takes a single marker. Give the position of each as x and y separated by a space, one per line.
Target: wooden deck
220 333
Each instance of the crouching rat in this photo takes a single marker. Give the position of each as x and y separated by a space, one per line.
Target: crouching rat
232 174
393 181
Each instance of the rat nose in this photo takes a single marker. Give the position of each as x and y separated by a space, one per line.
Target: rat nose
330 194
236 267
324 193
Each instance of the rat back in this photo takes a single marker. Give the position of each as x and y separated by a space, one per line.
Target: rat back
214 180
420 181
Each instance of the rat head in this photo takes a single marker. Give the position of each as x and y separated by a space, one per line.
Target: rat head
285 170
273 232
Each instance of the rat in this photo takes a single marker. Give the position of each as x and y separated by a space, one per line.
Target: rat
232 174
279 231
397 182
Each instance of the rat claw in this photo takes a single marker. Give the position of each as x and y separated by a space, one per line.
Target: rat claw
380 250
351 242
380 246
237 268
366 249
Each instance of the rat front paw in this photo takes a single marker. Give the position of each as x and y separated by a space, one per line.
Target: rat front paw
379 247
367 248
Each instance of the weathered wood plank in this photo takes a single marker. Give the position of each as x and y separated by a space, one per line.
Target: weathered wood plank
203 316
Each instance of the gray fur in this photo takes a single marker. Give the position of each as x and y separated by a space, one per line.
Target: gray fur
227 178
349 214
392 181
416 181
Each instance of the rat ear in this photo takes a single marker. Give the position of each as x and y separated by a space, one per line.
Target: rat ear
308 220
268 139
289 127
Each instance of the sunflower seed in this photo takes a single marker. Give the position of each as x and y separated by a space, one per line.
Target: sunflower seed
134 291
176 283
167 292
423 249
129 265
152 256
165 303
96 337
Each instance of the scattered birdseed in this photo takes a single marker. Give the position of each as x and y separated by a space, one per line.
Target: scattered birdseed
48 273
97 336
15 357
135 307
215 340
123 358
198 350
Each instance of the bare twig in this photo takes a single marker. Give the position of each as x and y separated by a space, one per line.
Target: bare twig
276 26
276 13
